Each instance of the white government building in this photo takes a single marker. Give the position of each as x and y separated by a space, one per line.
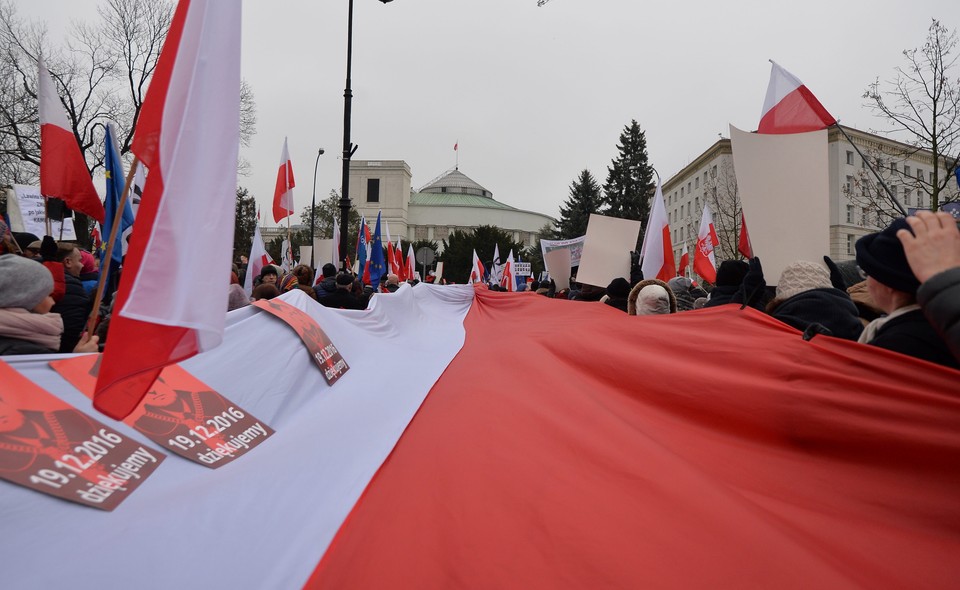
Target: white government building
854 212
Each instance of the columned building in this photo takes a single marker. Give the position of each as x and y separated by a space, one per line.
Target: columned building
450 202
858 205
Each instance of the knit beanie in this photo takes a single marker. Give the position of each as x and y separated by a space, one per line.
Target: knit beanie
731 273
344 278
802 276
24 283
269 269
881 256
288 283
236 298
618 287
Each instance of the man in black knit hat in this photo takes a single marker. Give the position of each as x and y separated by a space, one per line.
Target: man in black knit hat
893 287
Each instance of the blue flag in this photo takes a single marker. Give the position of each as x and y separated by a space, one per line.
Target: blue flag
363 236
377 263
114 173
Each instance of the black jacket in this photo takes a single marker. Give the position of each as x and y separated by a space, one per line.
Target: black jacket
341 299
831 308
11 346
74 308
911 334
940 299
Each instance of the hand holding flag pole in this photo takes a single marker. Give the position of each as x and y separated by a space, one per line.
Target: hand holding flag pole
114 232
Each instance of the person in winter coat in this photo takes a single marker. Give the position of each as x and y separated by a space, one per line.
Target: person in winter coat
893 287
89 274
26 324
729 278
342 298
933 252
75 306
806 296
651 297
327 284
684 291
617 293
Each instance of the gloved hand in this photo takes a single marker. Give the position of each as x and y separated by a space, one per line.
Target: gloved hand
836 278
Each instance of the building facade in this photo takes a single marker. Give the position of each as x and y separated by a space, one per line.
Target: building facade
858 204
450 202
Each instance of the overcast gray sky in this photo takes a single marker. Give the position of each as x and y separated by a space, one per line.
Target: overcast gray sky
535 95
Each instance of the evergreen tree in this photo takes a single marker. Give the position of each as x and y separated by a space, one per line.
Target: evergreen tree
244 222
629 177
458 250
575 212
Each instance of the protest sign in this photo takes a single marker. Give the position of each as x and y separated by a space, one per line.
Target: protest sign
606 249
51 447
26 210
321 349
557 262
574 245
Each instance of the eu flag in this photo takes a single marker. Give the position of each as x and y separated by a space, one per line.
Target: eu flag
114 173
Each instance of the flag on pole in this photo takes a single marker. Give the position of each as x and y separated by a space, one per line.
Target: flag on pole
257 260
790 107
97 240
411 270
507 279
377 264
684 261
391 259
704 259
283 193
188 137
657 248
63 172
113 170
743 245
286 255
363 241
476 269
136 190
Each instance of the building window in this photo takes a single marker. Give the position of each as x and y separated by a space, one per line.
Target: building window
441 233
906 195
420 233
893 167
688 188
681 192
931 177
698 203
850 244
373 190
919 198
850 158
920 175
906 170
849 213
713 172
849 185
696 182
681 211
704 178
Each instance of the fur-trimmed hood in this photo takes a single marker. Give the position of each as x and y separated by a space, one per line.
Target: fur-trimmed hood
635 292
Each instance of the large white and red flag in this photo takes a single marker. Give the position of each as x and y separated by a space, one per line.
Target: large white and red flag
418 484
283 191
704 259
63 172
173 292
476 269
258 259
684 261
507 279
790 107
744 246
657 248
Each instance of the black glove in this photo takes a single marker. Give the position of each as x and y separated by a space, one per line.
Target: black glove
836 278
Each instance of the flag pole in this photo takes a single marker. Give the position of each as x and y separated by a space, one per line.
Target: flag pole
890 194
114 230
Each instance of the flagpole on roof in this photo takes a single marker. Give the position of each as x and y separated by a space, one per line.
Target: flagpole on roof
114 231
876 175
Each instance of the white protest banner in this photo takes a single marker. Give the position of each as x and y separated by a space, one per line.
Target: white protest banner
606 249
305 253
26 211
574 245
784 187
558 265
521 269
322 251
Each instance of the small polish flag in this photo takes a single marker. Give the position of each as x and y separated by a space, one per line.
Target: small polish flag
684 261
657 249
704 260
743 245
283 193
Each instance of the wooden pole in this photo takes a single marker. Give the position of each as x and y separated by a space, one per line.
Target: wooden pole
114 230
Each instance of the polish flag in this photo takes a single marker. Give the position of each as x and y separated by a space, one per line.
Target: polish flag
401 264
743 245
507 280
63 172
411 270
657 248
790 107
684 261
476 270
602 474
257 260
704 260
283 193
188 137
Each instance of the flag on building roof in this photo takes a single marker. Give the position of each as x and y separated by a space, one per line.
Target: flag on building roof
657 248
63 172
187 136
283 192
704 259
790 107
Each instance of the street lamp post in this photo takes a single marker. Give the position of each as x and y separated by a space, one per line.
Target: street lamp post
348 147
313 206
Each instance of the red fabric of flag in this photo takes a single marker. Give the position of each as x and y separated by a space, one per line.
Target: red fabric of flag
743 244
790 107
283 192
820 464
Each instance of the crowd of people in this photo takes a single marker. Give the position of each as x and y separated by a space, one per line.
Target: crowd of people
902 294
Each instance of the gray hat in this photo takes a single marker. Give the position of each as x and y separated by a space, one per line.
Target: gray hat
23 282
